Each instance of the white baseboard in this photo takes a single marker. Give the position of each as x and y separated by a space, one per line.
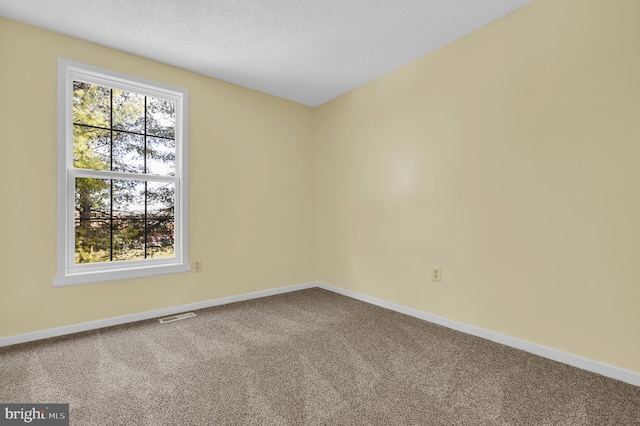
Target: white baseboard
108 322
627 376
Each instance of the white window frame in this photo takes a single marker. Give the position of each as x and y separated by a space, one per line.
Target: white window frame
68 272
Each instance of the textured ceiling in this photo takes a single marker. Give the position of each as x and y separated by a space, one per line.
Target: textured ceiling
307 51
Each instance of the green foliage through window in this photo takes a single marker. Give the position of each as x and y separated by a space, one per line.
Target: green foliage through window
116 130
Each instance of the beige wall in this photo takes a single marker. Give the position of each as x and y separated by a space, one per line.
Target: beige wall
510 158
251 189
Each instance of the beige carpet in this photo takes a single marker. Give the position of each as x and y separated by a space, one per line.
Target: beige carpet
305 358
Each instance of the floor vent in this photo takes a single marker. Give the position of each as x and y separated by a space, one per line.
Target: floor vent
177 317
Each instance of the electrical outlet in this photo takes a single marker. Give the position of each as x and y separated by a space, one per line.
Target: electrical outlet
197 266
436 273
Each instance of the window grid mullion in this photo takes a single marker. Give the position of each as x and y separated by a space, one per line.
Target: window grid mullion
146 186
111 180
121 131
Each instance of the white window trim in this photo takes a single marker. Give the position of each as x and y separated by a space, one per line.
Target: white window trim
69 273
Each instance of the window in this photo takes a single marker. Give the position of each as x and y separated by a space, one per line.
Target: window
122 176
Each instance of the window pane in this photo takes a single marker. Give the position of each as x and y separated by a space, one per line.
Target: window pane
160 238
161 117
92 241
91 104
128 152
160 219
160 199
128 199
128 111
128 239
161 156
92 226
91 148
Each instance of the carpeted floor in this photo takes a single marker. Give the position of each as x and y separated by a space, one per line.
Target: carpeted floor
310 357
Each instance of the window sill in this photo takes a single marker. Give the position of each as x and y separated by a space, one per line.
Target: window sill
92 277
